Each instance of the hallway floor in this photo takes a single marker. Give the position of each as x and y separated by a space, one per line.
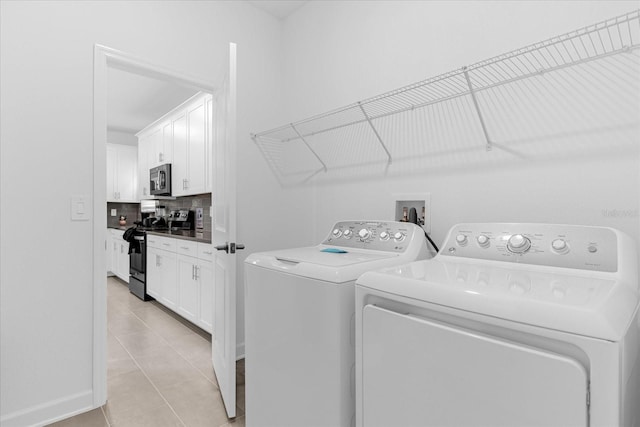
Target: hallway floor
159 370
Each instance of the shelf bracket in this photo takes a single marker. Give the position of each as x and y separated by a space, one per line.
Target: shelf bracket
475 103
324 166
366 116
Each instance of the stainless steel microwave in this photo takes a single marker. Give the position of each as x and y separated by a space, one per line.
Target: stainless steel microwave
160 180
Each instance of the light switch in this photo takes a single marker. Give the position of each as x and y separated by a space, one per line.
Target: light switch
80 208
114 212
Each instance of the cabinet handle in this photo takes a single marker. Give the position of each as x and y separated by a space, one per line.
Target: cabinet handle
184 247
193 272
166 244
159 157
158 261
207 252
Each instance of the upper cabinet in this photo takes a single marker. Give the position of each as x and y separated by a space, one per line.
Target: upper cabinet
181 137
122 173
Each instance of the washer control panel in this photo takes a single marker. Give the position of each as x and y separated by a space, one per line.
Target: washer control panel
569 246
388 236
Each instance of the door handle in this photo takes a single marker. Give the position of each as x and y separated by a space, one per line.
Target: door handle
230 247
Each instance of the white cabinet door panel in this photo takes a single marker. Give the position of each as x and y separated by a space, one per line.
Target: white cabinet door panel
188 288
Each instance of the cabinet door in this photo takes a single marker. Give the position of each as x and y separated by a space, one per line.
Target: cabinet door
209 114
112 164
112 253
127 173
143 168
188 291
153 274
205 280
196 151
180 156
166 153
168 272
154 147
123 260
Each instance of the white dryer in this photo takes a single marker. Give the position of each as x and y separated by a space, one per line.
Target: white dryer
509 325
300 322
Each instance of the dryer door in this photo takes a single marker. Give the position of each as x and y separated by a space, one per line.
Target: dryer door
418 372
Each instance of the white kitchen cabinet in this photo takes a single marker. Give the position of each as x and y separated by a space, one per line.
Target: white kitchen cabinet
180 155
143 167
183 138
188 288
118 255
122 173
205 280
180 276
162 276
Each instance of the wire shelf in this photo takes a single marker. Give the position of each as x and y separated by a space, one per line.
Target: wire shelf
619 35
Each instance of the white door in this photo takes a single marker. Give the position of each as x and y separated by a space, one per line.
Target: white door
224 236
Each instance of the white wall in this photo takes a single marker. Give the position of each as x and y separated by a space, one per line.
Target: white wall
46 80
337 53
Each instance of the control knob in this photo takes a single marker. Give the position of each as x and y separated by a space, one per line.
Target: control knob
364 234
347 234
483 241
384 236
462 240
560 246
336 233
518 244
399 236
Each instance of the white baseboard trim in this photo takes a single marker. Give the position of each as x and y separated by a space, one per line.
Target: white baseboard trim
240 351
50 412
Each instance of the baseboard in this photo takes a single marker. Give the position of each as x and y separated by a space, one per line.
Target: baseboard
50 412
240 351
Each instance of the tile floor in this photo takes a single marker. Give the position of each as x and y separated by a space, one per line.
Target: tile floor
159 370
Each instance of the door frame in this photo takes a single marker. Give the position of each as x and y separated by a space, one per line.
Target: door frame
105 58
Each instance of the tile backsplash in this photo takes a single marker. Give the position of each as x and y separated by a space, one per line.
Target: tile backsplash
132 210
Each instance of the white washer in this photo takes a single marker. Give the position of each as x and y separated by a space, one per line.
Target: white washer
300 322
509 325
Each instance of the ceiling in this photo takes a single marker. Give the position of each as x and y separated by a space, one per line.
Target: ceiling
135 101
278 8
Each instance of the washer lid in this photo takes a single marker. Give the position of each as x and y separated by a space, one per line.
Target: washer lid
312 262
578 303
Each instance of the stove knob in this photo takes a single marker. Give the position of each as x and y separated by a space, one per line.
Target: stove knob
518 244
364 234
462 240
336 233
384 236
347 234
560 246
483 241
399 236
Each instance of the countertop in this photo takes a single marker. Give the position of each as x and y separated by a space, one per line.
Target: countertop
193 235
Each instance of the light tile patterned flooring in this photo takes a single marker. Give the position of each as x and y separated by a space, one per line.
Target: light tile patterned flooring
159 370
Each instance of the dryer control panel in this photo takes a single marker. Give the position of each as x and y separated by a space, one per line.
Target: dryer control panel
569 246
388 236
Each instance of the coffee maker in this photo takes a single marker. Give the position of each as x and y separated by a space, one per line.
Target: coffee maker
182 219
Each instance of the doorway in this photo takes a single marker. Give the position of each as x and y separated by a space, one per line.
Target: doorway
106 60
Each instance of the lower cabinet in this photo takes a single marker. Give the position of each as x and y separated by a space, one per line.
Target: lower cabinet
118 254
180 276
161 276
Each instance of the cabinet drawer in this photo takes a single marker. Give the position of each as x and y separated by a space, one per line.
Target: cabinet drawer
205 251
164 243
186 247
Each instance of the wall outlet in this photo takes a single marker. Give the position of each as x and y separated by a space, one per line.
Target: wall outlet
422 204
114 212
